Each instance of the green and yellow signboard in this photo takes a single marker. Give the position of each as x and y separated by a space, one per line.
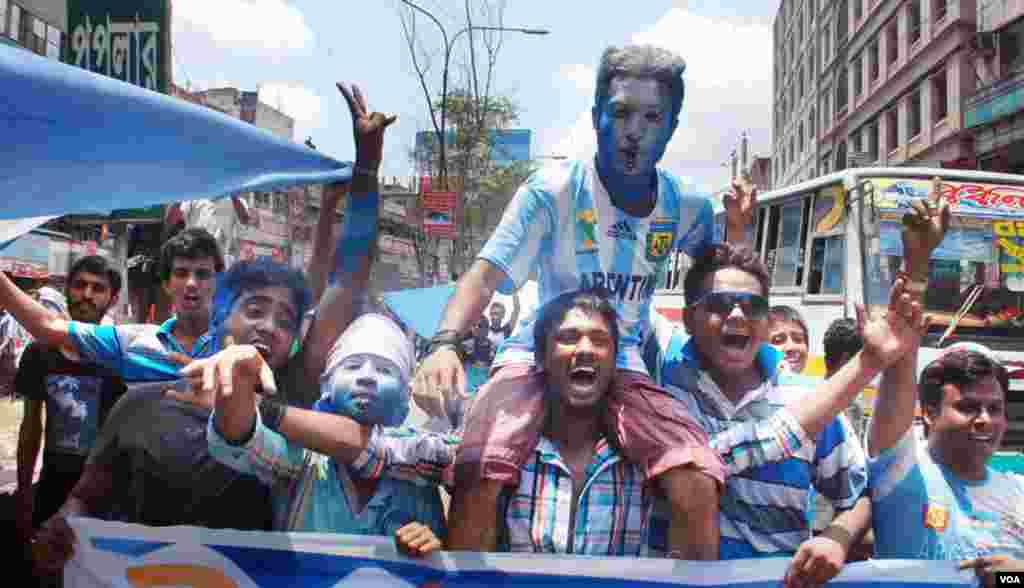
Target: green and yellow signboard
128 40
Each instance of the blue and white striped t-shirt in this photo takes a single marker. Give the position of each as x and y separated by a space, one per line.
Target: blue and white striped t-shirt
563 225
770 461
137 352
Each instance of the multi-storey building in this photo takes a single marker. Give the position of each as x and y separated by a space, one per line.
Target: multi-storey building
36 25
870 82
994 113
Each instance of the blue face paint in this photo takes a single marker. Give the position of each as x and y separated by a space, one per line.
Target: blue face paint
369 389
634 124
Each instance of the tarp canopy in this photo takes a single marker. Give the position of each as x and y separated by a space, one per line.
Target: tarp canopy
421 308
79 142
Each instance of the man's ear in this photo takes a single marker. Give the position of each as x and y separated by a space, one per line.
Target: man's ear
688 319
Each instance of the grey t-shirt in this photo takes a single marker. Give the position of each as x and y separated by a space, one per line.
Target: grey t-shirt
163 473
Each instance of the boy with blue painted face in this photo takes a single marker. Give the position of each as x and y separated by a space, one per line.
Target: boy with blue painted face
607 222
366 381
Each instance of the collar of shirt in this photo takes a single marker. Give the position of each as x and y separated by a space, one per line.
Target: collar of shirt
165 334
604 455
683 366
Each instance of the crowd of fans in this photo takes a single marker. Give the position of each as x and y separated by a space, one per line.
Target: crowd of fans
274 401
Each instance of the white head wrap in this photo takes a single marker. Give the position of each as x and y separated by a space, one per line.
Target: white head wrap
373 334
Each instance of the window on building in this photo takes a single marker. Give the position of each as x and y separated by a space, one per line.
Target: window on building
842 22
14 23
940 97
858 9
873 69
826 163
939 9
825 275
800 138
53 37
855 142
872 150
826 109
825 40
892 130
914 115
280 203
892 42
38 43
841 93
858 76
3 17
913 21
263 200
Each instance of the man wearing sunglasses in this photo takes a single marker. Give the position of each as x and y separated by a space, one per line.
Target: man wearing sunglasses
775 439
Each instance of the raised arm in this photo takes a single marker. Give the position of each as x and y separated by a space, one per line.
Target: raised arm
739 203
323 254
46 326
350 279
924 228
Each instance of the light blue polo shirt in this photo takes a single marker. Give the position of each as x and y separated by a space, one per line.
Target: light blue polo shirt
139 352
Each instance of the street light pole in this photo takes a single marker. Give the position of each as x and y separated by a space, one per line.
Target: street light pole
448 44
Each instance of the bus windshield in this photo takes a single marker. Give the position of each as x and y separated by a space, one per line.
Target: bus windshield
977 272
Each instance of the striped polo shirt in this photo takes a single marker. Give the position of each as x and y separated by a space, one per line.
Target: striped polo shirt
771 463
137 352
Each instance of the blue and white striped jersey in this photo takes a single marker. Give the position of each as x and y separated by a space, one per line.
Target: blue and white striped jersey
562 225
771 463
137 352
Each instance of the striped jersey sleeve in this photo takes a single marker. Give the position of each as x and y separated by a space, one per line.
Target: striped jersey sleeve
754 443
841 472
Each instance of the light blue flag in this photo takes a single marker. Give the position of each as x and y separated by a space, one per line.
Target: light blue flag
79 142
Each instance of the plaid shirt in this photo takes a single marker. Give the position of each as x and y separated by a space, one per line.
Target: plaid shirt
611 512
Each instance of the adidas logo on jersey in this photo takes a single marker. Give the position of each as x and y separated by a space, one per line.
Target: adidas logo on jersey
622 230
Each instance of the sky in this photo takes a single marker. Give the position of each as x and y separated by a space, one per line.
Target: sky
294 51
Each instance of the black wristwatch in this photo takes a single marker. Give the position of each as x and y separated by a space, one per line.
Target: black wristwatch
271 412
450 339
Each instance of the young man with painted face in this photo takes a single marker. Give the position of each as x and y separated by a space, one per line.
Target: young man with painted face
607 222
158 443
366 381
76 397
776 439
188 263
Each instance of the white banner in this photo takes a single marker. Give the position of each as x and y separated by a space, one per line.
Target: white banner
133 556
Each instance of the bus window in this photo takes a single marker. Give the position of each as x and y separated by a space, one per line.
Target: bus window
966 265
784 252
828 243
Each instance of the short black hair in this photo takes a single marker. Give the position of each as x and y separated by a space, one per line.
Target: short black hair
963 368
97 265
721 256
788 314
841 338
246 276
191 243
589 300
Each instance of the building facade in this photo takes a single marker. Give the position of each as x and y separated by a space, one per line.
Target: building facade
994 114
870 82
37 25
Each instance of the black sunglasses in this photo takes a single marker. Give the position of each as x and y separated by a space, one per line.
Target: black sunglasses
754 306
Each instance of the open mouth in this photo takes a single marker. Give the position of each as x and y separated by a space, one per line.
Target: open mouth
262 347
987 438
735 341
630 158
583 376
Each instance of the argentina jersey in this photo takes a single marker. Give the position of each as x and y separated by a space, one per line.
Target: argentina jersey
563 226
